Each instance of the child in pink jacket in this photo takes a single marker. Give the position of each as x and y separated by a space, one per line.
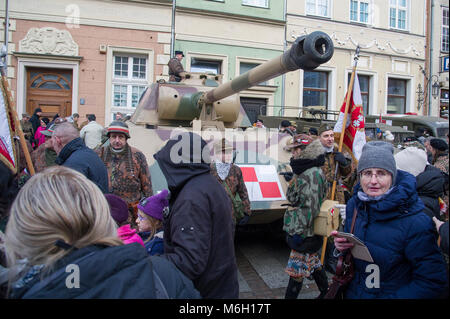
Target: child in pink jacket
119 212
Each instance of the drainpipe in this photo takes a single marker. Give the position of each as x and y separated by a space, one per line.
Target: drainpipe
430 61
283 77
172 35
6 36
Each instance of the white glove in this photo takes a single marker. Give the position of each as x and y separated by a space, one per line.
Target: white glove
341 208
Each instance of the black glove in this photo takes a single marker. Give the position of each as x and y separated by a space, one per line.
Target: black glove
340 158
244 220
287 175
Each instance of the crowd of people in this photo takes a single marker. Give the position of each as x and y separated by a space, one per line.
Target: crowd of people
91 202
186 231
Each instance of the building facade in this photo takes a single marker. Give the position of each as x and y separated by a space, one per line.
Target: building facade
437 71
391 37
230 37
98 56
86 57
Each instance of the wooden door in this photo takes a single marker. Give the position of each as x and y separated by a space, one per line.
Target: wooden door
51 90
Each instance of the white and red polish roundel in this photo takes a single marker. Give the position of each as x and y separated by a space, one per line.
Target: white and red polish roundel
262 182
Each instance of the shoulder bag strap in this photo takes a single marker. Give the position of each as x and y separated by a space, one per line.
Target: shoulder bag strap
355 213
228 188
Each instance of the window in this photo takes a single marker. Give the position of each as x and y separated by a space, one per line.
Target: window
315 88
398 14
256 3
364 86
206 66
318 7
129 81
245 67
359 11
444 34
396 96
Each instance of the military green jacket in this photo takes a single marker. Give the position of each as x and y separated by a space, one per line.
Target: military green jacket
305 193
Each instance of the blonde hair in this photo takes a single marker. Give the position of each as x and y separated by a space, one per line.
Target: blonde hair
57 204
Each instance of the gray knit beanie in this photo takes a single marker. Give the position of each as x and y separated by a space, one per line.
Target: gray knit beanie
378 154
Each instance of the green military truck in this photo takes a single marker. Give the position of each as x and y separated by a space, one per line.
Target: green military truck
434 126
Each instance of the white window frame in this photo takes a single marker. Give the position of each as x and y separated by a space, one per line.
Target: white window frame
253 3
212 57
373 88
332 80
397 7
410 93
111 80
329 9
369 11
445 27
258 91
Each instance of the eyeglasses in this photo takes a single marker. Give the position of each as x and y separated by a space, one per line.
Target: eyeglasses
379 174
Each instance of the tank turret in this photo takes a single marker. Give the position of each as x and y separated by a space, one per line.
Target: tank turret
202 97
204 104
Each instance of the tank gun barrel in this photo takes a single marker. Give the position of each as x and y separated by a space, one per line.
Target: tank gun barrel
307 53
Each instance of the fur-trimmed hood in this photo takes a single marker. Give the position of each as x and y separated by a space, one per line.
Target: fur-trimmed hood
313 150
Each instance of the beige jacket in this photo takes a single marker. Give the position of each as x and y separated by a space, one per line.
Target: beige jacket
91 134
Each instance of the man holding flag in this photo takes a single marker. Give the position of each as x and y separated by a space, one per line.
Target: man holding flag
338 168
337 165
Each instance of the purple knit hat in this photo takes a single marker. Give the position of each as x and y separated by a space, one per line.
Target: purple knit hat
118 208
154 205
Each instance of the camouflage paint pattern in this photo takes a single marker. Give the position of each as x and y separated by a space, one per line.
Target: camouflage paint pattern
236 184
167 108
305 194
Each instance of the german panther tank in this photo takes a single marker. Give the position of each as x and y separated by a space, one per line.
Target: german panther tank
203 104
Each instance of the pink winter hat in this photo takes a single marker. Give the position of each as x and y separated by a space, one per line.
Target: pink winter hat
154 205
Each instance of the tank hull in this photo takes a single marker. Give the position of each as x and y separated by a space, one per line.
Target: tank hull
257 149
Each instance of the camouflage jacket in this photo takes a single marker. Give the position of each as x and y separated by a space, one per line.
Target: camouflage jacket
235 182
27 129
128 173
43 158
343 172
175 68
305 193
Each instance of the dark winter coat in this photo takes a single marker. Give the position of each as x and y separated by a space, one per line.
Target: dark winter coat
430 186
443 232
401 240
78 156
119 272
154 246
198 231
35 121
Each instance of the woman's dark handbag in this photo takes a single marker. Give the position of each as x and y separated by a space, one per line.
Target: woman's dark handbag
344 271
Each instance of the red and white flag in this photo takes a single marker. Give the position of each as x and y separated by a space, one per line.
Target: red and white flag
6 134
355 136
262 182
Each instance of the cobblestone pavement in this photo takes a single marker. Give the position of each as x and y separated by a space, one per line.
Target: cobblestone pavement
261 259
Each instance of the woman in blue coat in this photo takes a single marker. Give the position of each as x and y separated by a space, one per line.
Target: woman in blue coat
399 235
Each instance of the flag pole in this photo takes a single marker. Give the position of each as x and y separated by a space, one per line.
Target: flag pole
17 127
344 123
341 141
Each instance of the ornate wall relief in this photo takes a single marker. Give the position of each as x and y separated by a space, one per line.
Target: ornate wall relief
48 40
